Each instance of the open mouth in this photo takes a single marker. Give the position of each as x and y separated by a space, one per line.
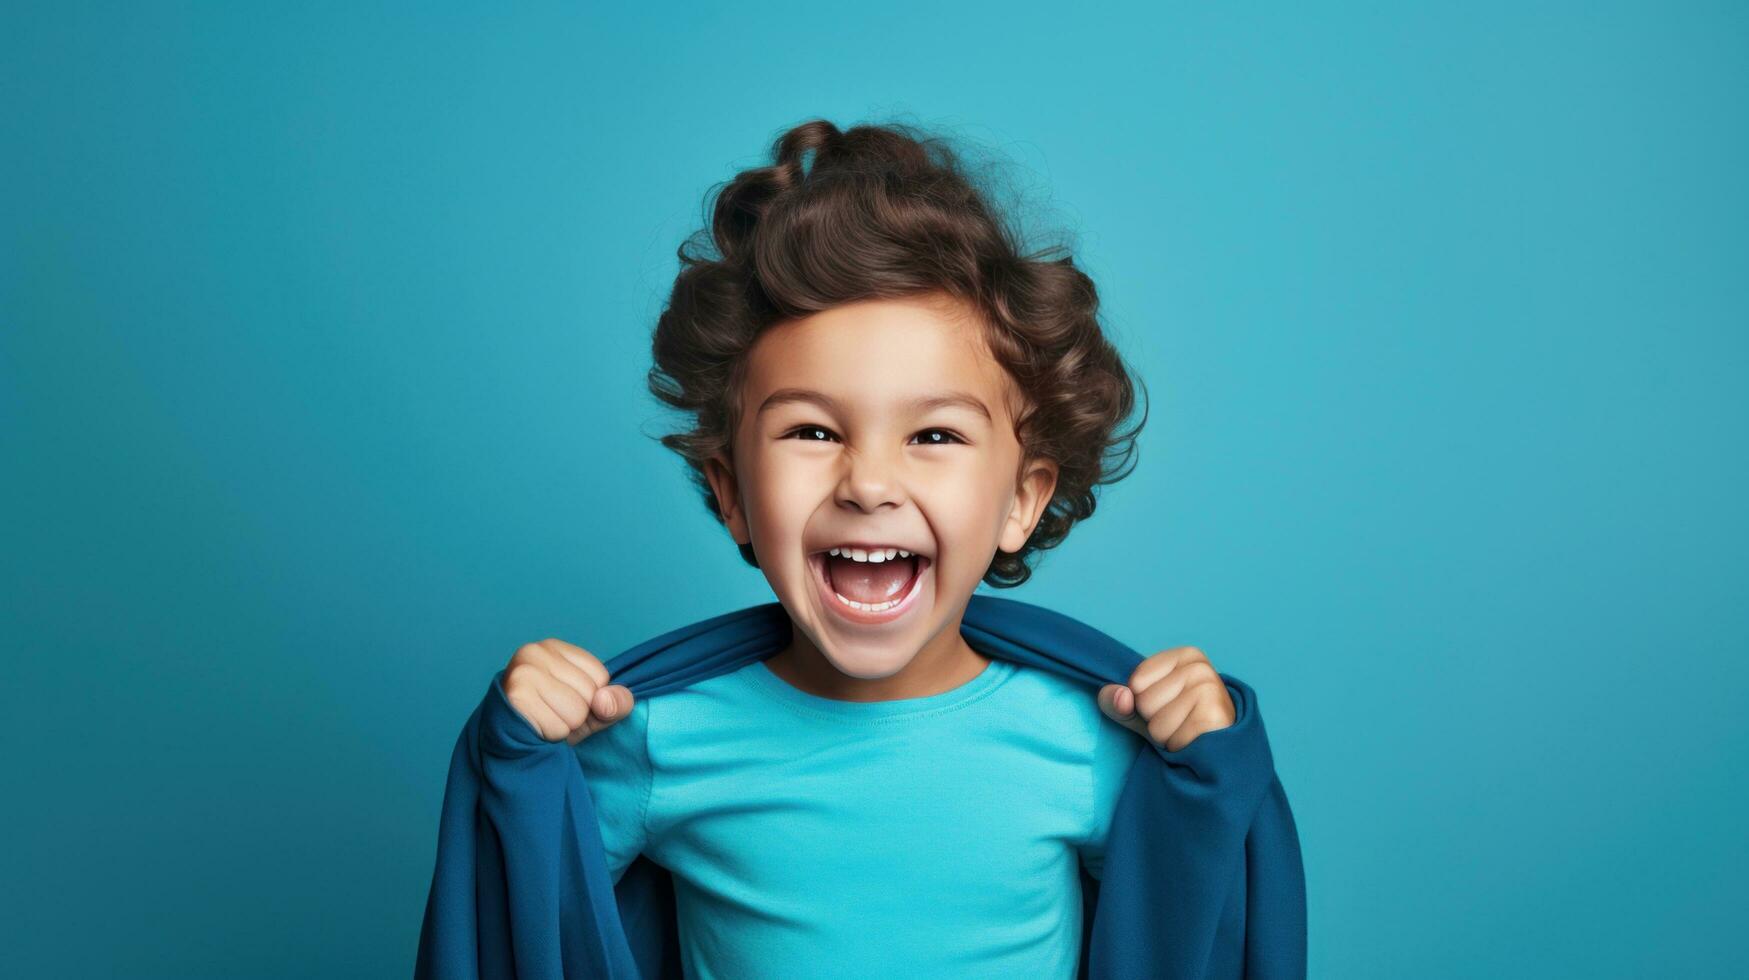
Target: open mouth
869 593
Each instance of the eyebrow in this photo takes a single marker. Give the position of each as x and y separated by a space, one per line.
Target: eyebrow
922 403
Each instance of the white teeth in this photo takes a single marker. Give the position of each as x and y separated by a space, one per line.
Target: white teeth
876 556
882 554
867 606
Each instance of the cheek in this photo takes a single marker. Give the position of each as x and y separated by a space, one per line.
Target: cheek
966 519
971 497
780 499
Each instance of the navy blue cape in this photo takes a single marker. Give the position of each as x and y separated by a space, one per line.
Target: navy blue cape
1202 877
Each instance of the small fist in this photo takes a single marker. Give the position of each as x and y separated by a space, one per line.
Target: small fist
1172 697
562 691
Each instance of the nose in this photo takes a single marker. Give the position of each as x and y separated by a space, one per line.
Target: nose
870 481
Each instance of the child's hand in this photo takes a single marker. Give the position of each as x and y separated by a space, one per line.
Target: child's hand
562 691
1172 697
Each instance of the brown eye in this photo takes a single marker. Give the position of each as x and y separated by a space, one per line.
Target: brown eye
810 430
950 439
813 433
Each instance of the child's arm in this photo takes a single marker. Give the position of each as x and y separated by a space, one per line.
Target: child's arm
1114 751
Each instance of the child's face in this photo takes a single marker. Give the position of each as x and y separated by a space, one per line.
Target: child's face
870 467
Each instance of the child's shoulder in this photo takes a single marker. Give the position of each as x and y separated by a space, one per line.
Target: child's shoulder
1076 703
1050 687
1066 703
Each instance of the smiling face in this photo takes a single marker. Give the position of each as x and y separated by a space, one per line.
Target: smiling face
882 422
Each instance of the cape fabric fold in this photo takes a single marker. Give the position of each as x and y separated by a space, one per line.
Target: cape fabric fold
1202 878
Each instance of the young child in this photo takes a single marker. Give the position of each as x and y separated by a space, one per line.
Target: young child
890 403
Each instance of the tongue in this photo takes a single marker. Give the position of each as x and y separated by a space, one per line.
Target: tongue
870 581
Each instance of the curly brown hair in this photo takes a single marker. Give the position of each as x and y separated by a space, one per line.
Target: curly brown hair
884 212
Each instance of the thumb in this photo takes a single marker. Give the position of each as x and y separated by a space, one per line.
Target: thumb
612 702
1119 704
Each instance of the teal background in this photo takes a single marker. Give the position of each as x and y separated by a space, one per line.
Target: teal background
323 331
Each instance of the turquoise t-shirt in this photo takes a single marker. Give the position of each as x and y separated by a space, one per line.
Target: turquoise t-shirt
809 837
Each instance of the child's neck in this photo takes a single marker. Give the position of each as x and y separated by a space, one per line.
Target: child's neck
943 665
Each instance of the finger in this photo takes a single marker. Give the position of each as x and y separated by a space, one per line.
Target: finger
1167 725
604 709
567 670
1164 689
541 718
611 703
1187 674
1118 701
1110 696
1149 671
1108 701
582 659
568 703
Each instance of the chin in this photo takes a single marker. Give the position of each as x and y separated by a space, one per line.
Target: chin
865 658
869 665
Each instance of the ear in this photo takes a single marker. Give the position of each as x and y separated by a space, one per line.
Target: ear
721 475
1031 497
